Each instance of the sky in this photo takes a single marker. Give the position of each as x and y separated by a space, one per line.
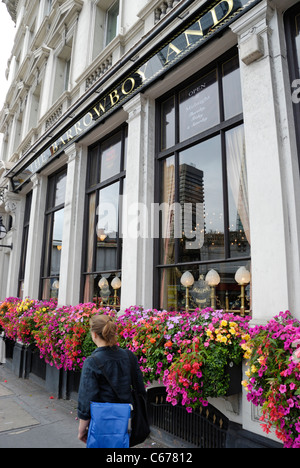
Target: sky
7 33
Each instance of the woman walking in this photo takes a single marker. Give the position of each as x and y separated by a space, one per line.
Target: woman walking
106 376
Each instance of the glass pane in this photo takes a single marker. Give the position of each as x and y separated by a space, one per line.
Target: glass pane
48 237
57 242
297 20
232 88
27 209
239 226
226 296
112 22
110 157
168 123
99 290
107 228
24 253
60 192
199 106
50 289
91 233
167 235
201 199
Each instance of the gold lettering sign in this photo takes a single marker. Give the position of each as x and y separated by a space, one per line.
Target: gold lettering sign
212 18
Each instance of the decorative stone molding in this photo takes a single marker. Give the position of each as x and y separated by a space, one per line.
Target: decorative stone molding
99 71
163 9
54 117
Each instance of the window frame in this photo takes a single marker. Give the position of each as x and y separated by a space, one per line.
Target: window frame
290 29
96 189
26 225
50 210
162 154
107 41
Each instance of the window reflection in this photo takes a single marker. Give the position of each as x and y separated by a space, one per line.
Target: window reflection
297 40
207 177
57 242
201 199
60 189
167 223
168 123
239 226
101 291
232 91
53 235
112 22
107 228
103 256
110 157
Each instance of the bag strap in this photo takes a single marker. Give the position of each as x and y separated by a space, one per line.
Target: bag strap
132 369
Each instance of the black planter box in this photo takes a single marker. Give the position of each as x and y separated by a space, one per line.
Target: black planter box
18 360
9 348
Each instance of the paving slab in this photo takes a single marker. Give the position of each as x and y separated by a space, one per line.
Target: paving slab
5 391
13 416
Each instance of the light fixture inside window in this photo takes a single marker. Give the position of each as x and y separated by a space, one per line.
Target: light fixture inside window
116 283
101 234
103 283
187 280
243 277
213 280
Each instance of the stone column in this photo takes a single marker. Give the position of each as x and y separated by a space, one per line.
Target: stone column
35 237
71 254
137 268
273 174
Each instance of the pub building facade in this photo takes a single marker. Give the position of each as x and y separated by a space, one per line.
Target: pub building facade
146 139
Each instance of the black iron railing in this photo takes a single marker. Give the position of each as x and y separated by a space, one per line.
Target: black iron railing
203 428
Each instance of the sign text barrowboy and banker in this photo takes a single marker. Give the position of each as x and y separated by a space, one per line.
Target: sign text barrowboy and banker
157 64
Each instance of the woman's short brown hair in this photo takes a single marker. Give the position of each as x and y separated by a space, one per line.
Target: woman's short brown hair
105 328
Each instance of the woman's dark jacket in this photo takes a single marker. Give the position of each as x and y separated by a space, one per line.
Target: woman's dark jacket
94 386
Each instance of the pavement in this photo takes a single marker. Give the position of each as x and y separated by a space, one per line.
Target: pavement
30 417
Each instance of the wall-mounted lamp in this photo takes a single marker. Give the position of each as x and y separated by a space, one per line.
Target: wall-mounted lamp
243 277
213 280
3 233
116 285
187 280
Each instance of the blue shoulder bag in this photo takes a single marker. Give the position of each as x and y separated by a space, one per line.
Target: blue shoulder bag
110 425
